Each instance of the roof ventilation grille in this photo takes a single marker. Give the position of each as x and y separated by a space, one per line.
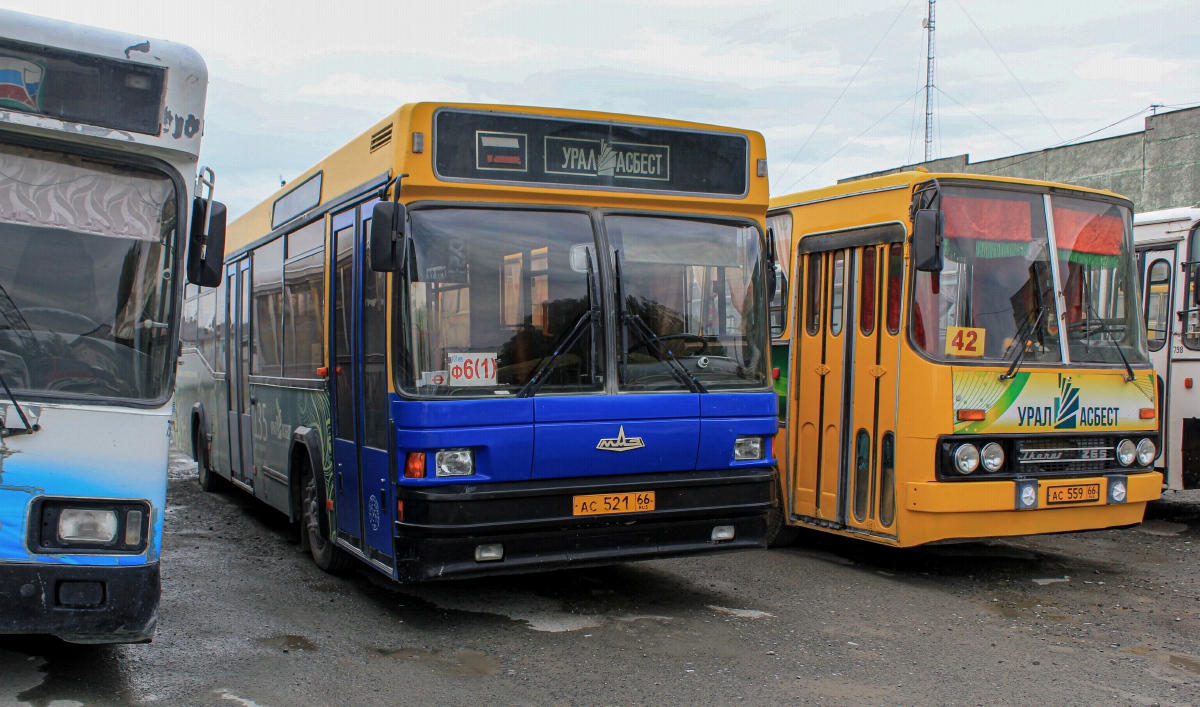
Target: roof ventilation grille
381 137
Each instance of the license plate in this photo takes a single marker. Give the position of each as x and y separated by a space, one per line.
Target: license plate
605 503
1076 493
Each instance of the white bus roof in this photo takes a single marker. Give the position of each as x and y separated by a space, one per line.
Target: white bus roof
180 123
1186 213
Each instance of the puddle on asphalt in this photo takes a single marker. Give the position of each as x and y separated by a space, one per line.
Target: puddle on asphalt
1162 528
1184 662
741 613
286 643
42 671
460 662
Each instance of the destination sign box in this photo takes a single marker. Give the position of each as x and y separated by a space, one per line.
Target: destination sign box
566 153
83 88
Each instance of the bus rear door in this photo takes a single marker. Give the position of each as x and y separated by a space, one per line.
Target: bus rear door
845 403
241 404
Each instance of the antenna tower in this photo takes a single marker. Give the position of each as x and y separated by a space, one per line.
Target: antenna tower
928 24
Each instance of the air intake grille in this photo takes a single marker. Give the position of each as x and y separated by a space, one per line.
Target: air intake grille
1066 455
381 138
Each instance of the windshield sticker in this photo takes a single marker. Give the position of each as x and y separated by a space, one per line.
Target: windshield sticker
1034 401
964 341
433 378
471 369
501 151
602 158
21 84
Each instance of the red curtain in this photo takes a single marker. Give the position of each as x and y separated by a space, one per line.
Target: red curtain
987 218
1088 228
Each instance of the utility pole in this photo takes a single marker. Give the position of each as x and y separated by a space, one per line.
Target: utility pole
928 25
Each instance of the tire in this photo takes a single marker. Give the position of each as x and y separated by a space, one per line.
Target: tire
210 481
779 533
324 552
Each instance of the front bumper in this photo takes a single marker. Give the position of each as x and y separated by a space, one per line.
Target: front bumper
80 604
443 526
983 496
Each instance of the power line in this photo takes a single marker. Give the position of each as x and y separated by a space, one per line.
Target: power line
1010 71
1072 140
855 139
981 118
846 88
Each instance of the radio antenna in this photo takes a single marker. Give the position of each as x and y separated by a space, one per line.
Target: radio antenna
928 24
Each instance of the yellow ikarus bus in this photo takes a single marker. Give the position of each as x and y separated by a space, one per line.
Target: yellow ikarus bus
965 358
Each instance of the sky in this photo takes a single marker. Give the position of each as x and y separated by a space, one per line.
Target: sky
837 88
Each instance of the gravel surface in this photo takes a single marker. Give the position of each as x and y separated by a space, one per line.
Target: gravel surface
1109 617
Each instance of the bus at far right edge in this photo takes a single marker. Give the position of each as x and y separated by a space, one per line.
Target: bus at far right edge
1167 252
965 358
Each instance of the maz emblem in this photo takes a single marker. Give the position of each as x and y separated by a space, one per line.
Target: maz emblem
620 443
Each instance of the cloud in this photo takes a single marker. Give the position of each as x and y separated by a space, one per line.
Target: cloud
353 84
754 64
1108 66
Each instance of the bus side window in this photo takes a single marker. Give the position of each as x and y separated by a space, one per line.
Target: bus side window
267 343
781 226
1191 321
813 316
304 302
837 293
895 286
1158 305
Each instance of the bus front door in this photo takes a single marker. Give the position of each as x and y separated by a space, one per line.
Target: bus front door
1162 339
241 425
844 398
361 413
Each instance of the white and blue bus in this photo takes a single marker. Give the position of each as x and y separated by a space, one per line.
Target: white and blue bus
99 135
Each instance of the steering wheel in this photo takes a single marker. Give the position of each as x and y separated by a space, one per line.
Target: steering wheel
58 321
1086 327
692 338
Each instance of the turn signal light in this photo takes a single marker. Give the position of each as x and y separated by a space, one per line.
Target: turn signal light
775 374
400 511
414 465
322 371
971 415
1146 413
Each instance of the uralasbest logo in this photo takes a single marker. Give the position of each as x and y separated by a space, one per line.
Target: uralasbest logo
602 158
1068 412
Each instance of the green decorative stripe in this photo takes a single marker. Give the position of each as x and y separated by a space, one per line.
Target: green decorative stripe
1090 259
1015 386
960 248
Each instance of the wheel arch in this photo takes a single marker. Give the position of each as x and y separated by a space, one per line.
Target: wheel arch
306 449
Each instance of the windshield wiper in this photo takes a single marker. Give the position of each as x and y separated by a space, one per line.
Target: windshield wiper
631 320
1023 346
586 322
8 391
1129 377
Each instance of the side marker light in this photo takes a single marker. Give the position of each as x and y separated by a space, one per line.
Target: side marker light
1146 413
971 415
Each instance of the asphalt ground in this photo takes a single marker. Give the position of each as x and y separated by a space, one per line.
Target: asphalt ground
1108 617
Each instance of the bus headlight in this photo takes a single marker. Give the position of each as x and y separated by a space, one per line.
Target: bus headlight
1126 451
748 449
1145 452
992 457
86 525
454 462
966 458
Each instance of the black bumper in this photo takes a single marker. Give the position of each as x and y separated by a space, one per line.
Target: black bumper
533 520
80 604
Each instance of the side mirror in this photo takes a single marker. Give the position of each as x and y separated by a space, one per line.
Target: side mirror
772 266
388 221
929 226
206 242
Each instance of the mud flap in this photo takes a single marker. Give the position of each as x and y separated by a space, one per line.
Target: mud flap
1191 452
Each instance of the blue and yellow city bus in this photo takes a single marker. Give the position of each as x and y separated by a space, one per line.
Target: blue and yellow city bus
483 339
99 138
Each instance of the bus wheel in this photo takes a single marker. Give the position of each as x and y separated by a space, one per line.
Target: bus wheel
327 555
779 533
210 481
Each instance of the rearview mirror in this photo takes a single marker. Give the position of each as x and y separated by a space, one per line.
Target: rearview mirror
1196 285
929 226
206 242
388 222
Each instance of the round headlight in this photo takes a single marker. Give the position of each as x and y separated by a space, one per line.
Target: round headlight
1145 452
966 458
1126 451
992 457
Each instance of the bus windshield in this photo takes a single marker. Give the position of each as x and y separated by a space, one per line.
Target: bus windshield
1099 284
996 289
696 288
996 292
490 292
86 275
